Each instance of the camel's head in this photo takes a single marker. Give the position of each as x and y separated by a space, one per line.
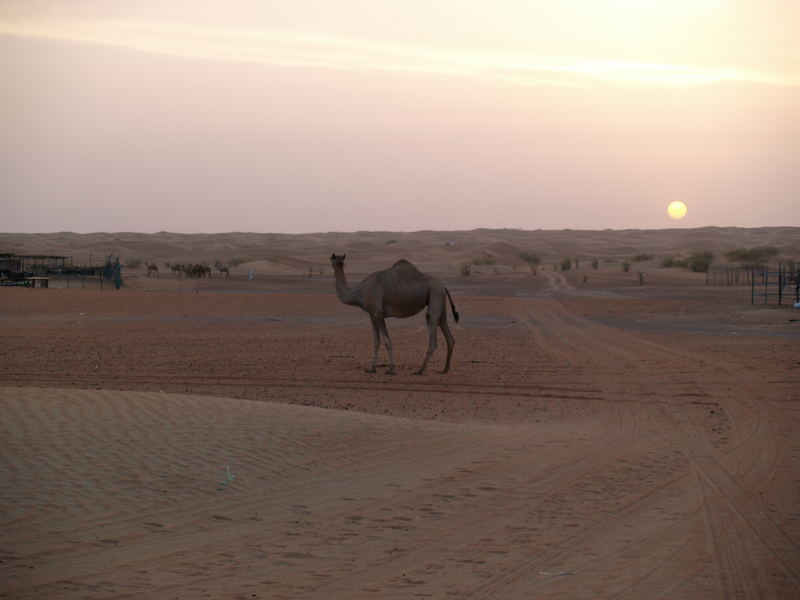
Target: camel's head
337 261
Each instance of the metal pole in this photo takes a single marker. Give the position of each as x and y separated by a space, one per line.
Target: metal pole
797 284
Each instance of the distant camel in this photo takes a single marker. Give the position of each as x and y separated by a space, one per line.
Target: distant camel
399 291
222 269
197 270
152 268
177 269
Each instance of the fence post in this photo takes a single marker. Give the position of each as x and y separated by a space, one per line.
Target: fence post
797 284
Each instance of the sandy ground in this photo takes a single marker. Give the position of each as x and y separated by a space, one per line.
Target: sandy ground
219 438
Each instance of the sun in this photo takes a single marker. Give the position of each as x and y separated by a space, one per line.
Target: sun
676 210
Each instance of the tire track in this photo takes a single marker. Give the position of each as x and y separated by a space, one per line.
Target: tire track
457 533
605 345
507 390
506 584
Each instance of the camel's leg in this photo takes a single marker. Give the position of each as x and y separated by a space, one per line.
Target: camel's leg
451 342
376 345
389 350
434 314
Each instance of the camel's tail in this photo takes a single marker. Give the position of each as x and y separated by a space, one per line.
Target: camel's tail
452 306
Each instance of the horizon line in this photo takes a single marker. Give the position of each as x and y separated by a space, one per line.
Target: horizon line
366 231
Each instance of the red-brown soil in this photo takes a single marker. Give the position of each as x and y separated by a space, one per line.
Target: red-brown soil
593 439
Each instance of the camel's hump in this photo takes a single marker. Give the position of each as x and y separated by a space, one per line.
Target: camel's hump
403 263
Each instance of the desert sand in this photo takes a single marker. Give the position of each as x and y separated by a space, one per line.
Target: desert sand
218 438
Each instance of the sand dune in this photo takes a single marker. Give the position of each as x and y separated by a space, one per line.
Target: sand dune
139 501
433 250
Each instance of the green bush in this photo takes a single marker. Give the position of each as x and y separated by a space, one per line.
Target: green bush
642 257
758 256
595 264
626 265
533 260
566 264
699 262
674 262
466 268
133 263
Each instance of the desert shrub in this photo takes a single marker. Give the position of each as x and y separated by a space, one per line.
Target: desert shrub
466 268
595 264
485 260
699 262
674 262
640 274
758 256
235 262
391 242
626 265
133 263
566 264
533 260
642 257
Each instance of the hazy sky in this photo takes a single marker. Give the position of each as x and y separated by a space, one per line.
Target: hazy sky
318 115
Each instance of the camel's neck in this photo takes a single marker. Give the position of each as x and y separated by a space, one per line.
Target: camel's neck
346 294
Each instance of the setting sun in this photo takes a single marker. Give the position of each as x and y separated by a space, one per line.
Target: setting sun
676 210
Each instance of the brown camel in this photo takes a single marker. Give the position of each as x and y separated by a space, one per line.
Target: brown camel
399 291
152 268
222 269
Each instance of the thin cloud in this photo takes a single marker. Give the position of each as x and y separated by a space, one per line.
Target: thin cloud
332 52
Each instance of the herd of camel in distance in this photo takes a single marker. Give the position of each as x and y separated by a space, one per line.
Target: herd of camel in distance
400 291
191 270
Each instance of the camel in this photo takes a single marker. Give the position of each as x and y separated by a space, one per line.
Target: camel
177 269
222 269
399 291
152 268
